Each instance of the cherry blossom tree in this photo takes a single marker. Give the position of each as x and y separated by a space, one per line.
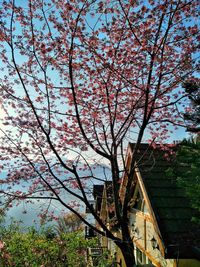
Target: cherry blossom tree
84 77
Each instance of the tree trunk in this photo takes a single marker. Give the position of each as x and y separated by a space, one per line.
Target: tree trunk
127 250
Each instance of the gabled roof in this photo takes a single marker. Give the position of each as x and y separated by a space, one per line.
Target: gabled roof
171 206
104 191
98 193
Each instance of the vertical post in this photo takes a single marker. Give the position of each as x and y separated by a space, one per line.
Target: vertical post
145 234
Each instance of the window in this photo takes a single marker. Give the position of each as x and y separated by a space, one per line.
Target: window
141 258
138 202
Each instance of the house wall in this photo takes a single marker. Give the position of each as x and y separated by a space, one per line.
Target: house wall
144 228
143 232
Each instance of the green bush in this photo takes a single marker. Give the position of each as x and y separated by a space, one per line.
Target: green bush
33 249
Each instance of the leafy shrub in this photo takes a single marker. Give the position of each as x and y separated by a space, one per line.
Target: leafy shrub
33 249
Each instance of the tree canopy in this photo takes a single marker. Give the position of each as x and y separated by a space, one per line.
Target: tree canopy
192 114
33 248
186 172
79 80
69 222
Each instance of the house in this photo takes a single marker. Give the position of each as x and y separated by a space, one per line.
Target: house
102 203
160 213
103 196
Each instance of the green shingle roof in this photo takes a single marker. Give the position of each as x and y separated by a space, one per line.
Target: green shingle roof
170 204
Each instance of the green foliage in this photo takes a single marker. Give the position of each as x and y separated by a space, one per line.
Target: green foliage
24 249
187 172
44 249
2 216
74 246
193 116
104 260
